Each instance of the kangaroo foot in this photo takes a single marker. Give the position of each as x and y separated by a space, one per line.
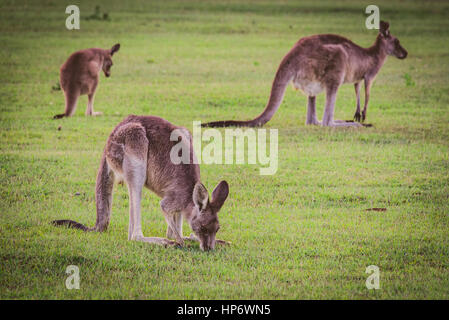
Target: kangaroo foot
171 243
94 114
160 241
179 243
342 123
314 122
357 116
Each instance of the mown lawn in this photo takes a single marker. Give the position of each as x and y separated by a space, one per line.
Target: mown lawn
302 233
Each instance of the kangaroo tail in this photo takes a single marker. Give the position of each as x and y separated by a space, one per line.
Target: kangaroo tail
229 123
70 224
280 82
59 116
103 198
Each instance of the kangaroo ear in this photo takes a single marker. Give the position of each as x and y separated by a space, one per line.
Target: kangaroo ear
220 194
384 28
115 48
200 196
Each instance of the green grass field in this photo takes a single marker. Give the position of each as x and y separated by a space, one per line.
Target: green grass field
303 233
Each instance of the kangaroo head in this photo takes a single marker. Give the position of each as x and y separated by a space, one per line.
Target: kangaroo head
204 221
391 43
107 61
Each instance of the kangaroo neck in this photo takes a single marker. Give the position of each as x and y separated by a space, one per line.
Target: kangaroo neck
187 213
376 54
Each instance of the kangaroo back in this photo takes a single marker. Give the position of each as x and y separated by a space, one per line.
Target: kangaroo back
142 141
163 175
142 151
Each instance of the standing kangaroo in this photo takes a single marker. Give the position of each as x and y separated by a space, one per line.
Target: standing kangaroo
79 75
325 62
138 152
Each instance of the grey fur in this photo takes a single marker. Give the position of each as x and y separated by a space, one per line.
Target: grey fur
138 153
80 75
323 63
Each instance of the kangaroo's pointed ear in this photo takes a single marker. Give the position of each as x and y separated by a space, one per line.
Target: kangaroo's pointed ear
115 48
200 196
384 28
220 194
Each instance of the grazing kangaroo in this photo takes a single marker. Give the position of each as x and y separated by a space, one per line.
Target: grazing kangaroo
79 75
325 62
138 152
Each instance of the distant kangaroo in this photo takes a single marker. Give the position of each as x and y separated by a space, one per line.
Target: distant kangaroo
325 62
138 152
79 75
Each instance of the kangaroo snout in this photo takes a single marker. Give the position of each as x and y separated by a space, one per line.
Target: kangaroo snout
403 55
207 243
205 247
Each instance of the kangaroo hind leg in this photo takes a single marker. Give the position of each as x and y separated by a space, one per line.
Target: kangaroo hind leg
132 138
328 117
133 157
90 102
90 106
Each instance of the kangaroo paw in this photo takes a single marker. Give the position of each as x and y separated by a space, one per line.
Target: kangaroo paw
223 242
192 237
170 243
